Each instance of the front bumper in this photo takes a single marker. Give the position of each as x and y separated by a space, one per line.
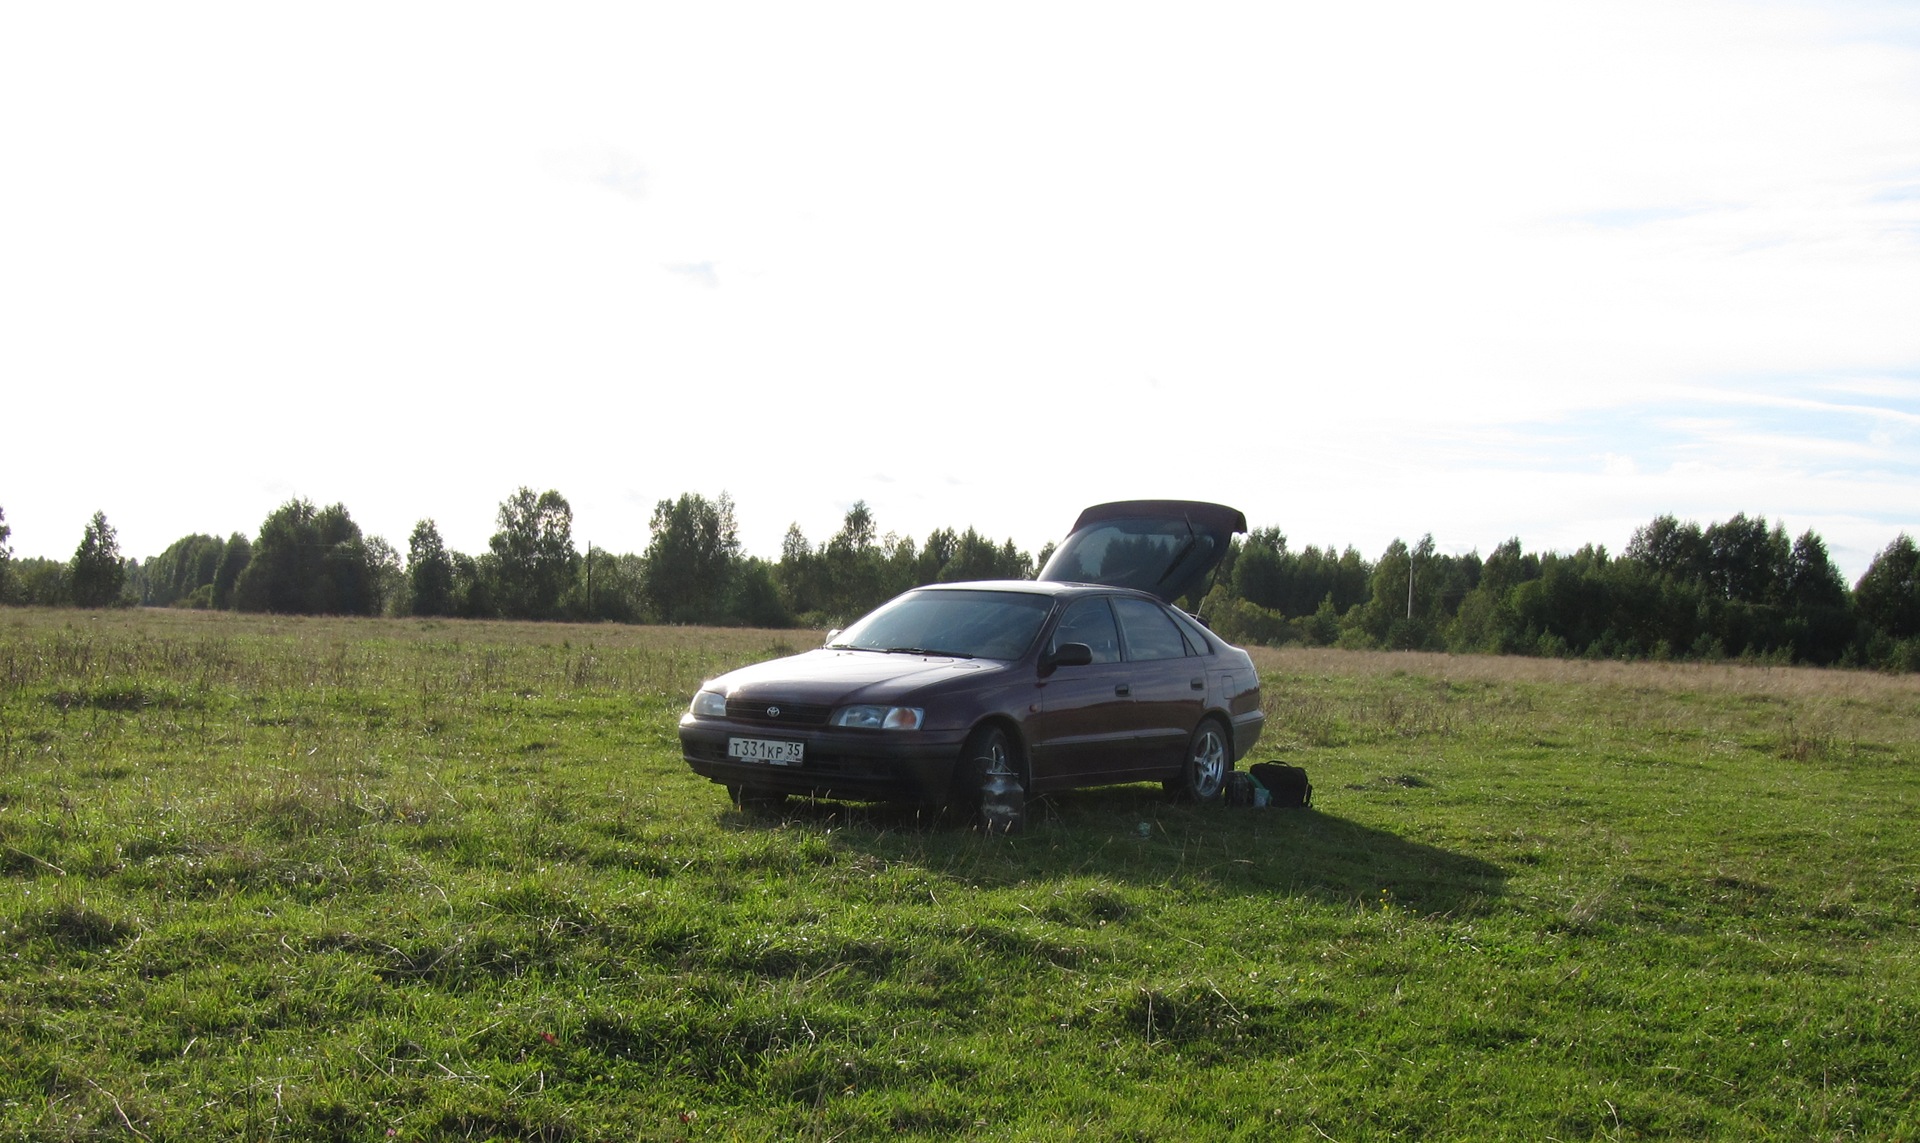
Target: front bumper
914 767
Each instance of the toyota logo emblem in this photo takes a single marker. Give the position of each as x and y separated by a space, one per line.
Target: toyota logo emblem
773 712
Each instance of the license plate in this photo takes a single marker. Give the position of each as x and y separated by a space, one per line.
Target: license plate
766 750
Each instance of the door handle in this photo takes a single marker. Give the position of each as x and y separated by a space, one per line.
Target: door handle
1198 684
1123 689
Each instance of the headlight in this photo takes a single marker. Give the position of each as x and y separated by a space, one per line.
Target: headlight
880 717
708 704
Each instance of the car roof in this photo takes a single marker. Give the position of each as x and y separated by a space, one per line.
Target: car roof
1025 586
1051 587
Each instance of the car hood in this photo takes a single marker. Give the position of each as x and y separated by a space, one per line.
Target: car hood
834 677
1162 547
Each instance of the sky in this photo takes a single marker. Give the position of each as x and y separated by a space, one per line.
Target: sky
1477 270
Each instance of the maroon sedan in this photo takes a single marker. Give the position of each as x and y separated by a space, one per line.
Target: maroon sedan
977 694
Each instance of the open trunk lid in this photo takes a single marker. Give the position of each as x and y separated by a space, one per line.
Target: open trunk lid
1165 547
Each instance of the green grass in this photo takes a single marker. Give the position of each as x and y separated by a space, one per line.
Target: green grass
315 879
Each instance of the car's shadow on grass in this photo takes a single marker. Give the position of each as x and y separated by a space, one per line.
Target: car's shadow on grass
1134 833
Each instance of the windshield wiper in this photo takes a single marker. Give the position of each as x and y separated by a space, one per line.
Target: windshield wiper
926 651
1173 564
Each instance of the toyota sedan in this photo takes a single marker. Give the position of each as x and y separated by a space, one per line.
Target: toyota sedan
976 695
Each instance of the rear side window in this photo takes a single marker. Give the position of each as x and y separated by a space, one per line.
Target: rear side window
1197 636
1150 631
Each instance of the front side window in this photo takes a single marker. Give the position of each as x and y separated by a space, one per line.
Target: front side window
1090 621
1151 633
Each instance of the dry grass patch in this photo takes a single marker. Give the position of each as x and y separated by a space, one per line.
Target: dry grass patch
1706 678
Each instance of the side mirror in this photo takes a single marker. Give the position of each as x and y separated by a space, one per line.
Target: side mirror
830 637
1066 655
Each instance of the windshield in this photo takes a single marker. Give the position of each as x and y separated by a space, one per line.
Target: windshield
967 624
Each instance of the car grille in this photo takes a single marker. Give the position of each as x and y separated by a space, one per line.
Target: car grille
775 713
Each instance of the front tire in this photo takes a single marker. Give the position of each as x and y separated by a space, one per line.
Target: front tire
1204 773
756 799
987 783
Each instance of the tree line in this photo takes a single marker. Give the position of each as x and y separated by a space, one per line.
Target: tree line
1734 589
312 560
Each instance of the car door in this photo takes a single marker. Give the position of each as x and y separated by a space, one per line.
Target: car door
1168 683
1084 727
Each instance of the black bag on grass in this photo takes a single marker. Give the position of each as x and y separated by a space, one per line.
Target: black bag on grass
1286 785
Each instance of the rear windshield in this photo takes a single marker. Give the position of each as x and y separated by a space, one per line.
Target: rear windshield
973 624
1147 554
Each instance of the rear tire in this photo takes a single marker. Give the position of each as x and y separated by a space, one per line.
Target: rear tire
987 783
1204 773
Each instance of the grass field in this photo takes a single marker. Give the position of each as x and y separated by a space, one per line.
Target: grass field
334 879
